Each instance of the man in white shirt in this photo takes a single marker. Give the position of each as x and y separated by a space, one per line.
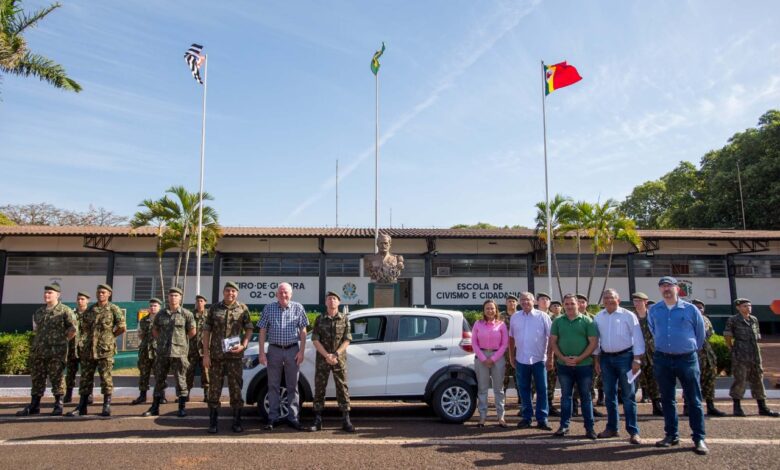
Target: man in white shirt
621 346
529 333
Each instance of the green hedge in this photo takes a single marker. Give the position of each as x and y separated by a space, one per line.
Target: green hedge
14 352
722 352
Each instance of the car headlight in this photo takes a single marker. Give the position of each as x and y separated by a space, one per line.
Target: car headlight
250 361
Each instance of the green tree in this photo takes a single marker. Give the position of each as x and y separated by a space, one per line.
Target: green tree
4 220
560 210
647 204
619 229
579 220
477 226
155 215
16 58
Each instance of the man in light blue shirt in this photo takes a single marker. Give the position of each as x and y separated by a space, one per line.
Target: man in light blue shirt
529 333
678 333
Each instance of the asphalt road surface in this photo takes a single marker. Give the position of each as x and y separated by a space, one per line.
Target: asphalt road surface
390 435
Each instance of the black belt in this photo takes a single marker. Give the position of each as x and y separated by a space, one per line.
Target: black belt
284 347
674 355
604 353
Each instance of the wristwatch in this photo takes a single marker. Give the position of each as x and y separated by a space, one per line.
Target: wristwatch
637 361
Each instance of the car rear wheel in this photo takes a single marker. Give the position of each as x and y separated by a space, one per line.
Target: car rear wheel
263 404
454 401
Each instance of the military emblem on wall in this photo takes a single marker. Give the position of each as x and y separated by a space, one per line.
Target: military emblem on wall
349 289
685 288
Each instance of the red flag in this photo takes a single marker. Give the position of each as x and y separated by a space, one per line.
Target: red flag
559 76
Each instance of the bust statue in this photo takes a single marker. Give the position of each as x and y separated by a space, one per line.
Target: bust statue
384 266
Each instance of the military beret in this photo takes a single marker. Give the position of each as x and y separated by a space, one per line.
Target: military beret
698 301
511 297
82 294
667 280
106 287
650 302
155 300
640 295
582 297
741 301
330 292
230 285
201 297
53 286
175 290
556 302
543 294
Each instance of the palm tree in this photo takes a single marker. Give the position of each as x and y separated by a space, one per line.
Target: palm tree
621 228
155 215
15 57
599 230
578 220
559 210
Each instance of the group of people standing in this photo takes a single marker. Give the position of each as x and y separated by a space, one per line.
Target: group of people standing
655 346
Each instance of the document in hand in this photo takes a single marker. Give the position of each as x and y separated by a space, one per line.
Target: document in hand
230 343
631 376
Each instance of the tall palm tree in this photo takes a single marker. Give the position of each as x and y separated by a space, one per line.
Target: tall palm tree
621 228
559 210
604 215
154 214
578 220
16 58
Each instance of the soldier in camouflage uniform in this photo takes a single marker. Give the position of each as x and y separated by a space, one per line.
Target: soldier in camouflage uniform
171 329
647 379
74 345
708 364
54 324
101 324
146 350
226 319
742 335
509 371
331 337
544 302
196 349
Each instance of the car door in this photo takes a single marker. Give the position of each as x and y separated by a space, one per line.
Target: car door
367 357
421 347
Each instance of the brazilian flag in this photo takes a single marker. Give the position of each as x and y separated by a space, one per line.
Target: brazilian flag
375 60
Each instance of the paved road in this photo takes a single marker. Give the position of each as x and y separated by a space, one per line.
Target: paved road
390 435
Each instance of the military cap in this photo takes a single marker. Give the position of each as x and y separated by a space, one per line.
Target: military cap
556 302
667 280
511 297
640 295
175 290
155 300
201 297
81 293
330 292
543 294
106 287
230 285
650 302
53 286
741 301
698 301
582 297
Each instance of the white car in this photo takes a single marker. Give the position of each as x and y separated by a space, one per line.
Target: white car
395 354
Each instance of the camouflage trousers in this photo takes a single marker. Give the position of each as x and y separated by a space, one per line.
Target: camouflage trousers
196 363
745 372
321 374
42 368
552 376
145 367
217 371
176 365
708 363
647 378
72 366
87 382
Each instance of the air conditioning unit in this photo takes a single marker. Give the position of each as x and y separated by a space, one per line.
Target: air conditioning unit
443 271
746 270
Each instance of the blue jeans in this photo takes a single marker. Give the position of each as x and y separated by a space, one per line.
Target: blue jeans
613 371
583 377
523 374
668 369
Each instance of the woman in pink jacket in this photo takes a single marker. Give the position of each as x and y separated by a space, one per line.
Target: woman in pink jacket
490 340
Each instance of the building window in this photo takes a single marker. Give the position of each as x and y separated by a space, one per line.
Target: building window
567 266
757 267
479 267
344 267
149 266
414 267
270 266
57 265
679 265
146 287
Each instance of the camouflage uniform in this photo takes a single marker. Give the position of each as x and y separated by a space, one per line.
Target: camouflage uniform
552 375
99 346
647 378
146 352
225 321
745 357
49 348
72 363
172 349
331 332
708 362
195 357
509 371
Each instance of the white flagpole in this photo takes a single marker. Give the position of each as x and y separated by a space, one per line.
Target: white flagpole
202 165
546 189
376 168
337 193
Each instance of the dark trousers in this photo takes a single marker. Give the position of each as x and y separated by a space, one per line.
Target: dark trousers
583 377
282 361
685 368
539 373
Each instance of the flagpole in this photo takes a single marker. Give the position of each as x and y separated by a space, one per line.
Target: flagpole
376 167
337 193
202 166
546 189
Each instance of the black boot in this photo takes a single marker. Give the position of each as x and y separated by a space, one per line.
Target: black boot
33 408
182 403
141 398
600 400
764 411
106 412
57 410
68 395
213 419
237 420
712 411
154 410
317 425
738 409
81 409
90 399
205 394
657 410
346 424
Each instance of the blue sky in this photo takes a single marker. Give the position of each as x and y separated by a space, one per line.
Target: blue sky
290 92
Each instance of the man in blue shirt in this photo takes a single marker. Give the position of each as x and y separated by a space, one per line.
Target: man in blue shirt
678 333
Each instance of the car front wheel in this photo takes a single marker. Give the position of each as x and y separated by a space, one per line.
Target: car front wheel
263 404
454 401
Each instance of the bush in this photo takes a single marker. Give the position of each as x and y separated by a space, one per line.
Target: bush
15 352
722 352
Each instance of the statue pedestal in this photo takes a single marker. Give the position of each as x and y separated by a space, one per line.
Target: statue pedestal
383 295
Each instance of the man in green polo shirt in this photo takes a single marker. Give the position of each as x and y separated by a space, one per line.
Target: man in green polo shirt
573 337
